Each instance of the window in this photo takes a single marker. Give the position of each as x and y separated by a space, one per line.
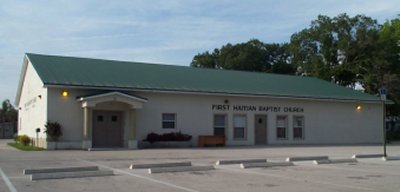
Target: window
100 118
239 126
168 120
281 127
114 118
298 127
219 125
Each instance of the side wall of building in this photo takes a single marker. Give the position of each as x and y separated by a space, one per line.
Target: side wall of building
325 122
32 106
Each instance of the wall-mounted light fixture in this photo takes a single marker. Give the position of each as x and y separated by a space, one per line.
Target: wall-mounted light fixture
39 96
64 93
226 101
358 107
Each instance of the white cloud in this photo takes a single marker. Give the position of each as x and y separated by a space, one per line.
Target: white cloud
159 31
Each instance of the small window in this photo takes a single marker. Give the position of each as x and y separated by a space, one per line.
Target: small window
114 118
281 127
219 125
100 118
239 127
298 127
168 120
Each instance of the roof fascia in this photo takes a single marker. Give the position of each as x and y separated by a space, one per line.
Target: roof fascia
215 93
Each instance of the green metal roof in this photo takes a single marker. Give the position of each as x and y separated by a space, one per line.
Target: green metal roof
108 74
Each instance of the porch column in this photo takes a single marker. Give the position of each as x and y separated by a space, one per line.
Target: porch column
132 141
87 128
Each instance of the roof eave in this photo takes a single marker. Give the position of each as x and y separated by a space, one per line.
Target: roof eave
213 93
21 79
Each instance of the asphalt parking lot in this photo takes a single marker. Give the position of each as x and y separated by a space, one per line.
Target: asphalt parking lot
370 174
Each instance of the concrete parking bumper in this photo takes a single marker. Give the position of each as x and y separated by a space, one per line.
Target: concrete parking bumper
356 156
63 175
391 158
180 169
59 169
155 165
265 164
239 161
306 158
334 161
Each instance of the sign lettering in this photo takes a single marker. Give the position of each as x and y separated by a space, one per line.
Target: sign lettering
275 109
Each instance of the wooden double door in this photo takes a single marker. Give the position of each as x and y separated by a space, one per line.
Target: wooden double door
107 129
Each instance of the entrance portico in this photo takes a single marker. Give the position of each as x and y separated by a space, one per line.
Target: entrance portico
120 108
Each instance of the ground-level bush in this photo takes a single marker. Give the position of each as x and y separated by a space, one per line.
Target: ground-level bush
23 139
173 136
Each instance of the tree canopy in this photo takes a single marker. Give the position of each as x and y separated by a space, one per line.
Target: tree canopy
346 50
8 113
253 55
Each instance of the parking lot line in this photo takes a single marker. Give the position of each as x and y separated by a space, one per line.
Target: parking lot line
7 181
294 179
141 177
350 169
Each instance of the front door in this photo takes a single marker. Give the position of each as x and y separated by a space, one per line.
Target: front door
260 129
107 129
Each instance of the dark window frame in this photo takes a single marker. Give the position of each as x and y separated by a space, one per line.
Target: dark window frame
295 126
282 135
168 123
244 129
215 126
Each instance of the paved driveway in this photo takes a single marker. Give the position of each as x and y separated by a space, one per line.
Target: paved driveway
366 175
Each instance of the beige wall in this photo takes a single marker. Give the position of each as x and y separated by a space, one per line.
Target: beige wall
32 105
326 122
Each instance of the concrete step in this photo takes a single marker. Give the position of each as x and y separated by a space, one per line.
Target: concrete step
239 161
180 169
154 165
334 161
266 164
306 158
355 156
59 169
63 175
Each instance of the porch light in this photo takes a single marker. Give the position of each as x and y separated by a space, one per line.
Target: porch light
358 108
64 93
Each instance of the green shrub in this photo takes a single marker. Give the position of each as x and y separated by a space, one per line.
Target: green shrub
25 140
17 138
53 131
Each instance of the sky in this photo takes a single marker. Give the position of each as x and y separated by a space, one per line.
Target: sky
155 31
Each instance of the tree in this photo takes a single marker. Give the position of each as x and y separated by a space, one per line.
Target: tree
389 41
337 48
8 113
253 55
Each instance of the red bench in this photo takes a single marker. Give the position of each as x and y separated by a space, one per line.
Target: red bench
205 140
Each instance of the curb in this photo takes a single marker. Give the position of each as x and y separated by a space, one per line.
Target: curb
180 169
61 169
306 158
239 161
335 161
266 164
63 175
155 165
